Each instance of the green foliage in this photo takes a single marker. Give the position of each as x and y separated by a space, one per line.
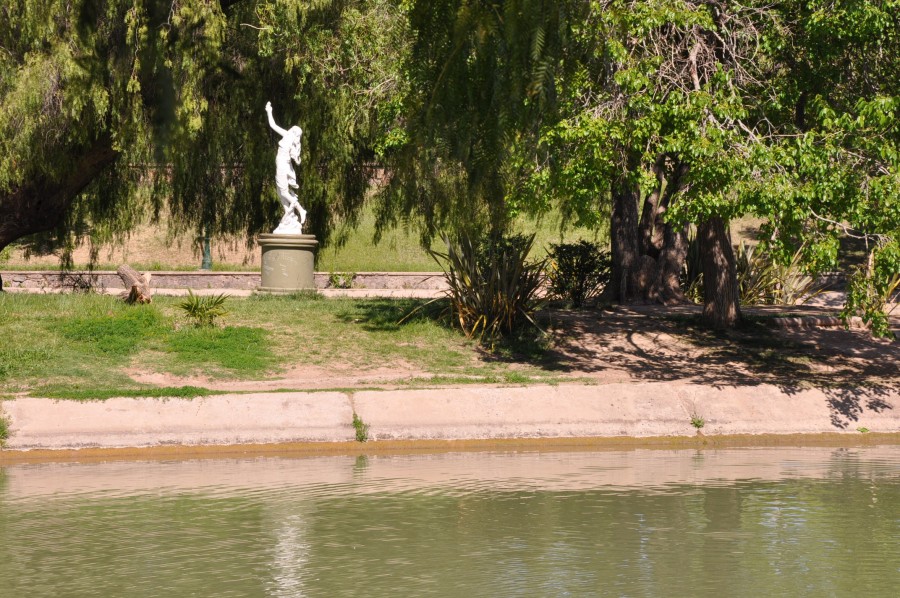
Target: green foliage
872 287
697 421
341 280
4 429
492 286
174 94
238 349
481 76
115 333
577 272
204 310
765 281
361 428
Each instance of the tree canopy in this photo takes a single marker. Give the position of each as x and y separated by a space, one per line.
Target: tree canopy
110 109
651 117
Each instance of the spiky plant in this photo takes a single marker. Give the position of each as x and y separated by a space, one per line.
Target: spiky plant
204 310
492 285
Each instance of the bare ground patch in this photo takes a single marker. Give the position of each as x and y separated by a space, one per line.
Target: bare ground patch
646 344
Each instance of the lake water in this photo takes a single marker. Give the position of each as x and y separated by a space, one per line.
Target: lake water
731 522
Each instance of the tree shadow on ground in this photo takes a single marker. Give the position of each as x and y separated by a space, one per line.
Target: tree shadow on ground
388 315
853 370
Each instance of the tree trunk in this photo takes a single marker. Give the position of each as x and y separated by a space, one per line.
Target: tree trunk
667 287
721 299
137 287
41 204
625 243
650 234
647 262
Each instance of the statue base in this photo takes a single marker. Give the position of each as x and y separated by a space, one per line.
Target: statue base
287 263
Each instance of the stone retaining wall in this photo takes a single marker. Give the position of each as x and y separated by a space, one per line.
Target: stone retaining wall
82 280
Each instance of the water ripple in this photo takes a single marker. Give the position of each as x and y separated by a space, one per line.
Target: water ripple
737 522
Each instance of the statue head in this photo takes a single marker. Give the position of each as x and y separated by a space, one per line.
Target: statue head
295 133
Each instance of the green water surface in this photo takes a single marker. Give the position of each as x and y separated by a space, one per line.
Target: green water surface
736 522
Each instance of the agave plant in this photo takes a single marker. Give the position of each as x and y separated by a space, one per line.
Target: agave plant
757 276
492 286
762 280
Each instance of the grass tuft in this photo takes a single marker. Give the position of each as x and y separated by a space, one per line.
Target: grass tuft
102 394
362 429
4 429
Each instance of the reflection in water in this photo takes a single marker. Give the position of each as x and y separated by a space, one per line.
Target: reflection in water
740 522
291 556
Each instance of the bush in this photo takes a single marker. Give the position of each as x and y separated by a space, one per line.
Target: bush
577 272
872 287
492 286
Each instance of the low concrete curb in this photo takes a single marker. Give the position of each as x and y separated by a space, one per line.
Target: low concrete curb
465 413
258 418
37 280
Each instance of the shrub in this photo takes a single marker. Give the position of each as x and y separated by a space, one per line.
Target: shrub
577 272
361 428
871 289
492 286
765 281
203 311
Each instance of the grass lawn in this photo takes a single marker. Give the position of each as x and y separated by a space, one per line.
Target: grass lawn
87 346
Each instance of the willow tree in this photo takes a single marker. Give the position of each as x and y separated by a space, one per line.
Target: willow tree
482 78
100 99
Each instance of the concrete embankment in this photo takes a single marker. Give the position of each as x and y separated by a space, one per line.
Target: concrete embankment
564 413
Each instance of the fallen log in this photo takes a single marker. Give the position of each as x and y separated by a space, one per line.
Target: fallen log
137 286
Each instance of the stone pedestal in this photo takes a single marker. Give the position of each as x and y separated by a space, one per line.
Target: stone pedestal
287 262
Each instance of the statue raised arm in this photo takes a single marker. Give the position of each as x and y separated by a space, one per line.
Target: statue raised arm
272 123
285 176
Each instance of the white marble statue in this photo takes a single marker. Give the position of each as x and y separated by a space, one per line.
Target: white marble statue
286 178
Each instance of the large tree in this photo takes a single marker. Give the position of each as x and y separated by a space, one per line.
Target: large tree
832 168
102 98
698 111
